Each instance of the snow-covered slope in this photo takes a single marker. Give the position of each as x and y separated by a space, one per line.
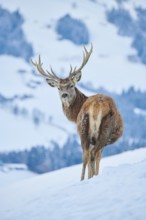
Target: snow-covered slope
38 119
9 177
118 193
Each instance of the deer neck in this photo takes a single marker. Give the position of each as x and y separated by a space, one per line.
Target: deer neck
74 108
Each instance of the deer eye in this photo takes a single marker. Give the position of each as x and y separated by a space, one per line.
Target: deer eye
71 86
58 88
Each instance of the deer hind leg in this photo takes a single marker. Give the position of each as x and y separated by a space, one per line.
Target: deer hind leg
91 162
97 159
83 126
91 168
95 118
85 161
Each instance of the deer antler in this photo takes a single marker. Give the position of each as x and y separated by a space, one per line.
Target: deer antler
47 74
73 72
86 56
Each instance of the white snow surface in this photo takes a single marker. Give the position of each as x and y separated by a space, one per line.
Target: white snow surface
119 192
9 177
108 67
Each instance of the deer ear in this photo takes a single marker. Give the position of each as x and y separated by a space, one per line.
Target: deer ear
76 78
52 83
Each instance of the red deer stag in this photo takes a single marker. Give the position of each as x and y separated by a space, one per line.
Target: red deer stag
98 120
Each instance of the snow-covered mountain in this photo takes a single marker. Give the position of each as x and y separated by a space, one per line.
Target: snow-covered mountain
118 193
30 111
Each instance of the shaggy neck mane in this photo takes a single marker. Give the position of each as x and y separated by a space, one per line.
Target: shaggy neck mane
73 110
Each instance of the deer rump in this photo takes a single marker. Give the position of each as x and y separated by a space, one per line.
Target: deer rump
99 122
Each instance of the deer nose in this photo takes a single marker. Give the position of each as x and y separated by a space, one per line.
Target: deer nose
64 95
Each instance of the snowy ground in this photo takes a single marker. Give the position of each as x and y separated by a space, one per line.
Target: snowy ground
11 177
118 193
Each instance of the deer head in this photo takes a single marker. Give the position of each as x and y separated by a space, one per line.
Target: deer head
65 86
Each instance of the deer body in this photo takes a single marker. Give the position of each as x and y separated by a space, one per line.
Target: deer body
98 120
99 124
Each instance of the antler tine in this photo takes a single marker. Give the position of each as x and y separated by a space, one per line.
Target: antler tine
50 75
41 70
70 73
53 73
86 56
74 69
